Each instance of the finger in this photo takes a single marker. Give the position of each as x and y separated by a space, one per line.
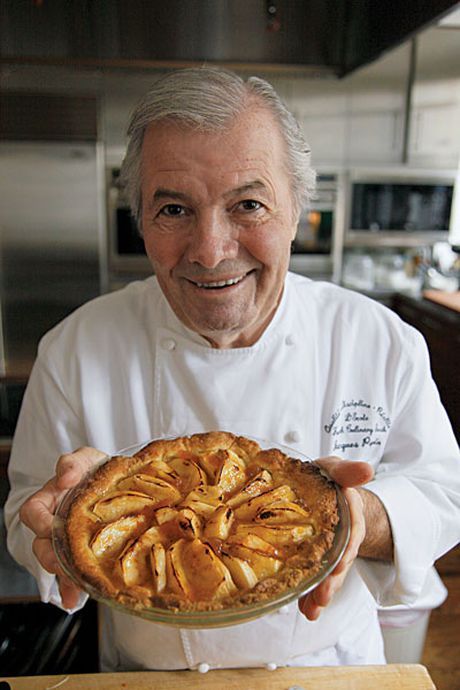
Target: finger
71 467
44 553
309 607
37 512
357 533
346 473
70 593
323 593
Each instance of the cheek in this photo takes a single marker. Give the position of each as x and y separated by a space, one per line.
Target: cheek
271 246
163 251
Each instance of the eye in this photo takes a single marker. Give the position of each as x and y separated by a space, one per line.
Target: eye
172 210
249 205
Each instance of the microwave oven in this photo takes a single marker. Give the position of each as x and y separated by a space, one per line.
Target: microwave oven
400 208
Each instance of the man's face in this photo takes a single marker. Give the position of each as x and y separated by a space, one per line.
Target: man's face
218 221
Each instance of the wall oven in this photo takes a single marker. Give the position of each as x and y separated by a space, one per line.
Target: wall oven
126 256
316 248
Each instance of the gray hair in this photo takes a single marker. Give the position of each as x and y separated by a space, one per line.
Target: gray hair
209 99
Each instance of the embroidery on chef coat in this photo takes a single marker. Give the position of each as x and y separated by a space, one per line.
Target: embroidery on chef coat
357 424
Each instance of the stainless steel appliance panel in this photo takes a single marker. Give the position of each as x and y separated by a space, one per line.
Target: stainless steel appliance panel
49 242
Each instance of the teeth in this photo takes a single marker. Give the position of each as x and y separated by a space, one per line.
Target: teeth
220 283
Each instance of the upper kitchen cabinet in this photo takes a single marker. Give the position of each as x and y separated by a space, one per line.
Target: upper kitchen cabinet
320 107
375 124
434 132
376 107
325 37
358 120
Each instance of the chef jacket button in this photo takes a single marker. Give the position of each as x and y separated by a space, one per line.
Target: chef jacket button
289 340
292 436
168 344
203 668
271 666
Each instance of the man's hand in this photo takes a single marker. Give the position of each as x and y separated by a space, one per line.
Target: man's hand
38 511
369 538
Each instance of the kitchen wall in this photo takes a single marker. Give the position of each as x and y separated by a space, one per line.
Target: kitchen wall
355 121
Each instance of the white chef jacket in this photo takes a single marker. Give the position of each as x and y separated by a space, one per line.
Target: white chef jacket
334 373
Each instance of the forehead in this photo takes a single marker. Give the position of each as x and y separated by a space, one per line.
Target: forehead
252 142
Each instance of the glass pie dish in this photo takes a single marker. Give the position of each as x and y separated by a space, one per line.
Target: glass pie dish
220 617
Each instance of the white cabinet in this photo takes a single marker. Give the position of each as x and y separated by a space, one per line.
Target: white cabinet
435 135
375 137
326 135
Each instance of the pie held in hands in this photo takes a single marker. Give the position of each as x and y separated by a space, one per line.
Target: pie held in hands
201 523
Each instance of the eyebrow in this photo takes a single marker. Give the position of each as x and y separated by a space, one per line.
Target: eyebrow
249 187
165 193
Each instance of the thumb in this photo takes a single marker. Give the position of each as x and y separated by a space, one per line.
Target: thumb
346 472
72 467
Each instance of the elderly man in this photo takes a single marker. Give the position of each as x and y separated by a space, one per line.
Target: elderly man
223 337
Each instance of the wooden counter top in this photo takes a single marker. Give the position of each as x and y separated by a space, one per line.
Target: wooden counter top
451 300
400 676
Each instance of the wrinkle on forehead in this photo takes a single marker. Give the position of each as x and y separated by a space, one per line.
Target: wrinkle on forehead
250 154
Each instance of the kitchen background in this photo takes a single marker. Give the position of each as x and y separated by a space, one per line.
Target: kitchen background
376 90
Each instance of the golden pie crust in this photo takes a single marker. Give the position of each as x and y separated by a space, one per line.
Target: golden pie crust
201 523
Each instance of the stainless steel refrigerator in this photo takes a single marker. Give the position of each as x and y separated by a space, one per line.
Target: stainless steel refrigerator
50 246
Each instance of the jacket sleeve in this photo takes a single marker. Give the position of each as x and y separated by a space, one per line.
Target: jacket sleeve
417 480
48 426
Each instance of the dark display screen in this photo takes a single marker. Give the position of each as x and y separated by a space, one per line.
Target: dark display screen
409 207
128 240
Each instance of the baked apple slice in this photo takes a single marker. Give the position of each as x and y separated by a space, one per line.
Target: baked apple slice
219 524
261 556
135 558
160 468
212 462
278 535
242 574
175 573
247 511
231 473
189 524
203 500
282 512
155 487
190 473
205 574
257 485
165 514
158 567
111 539
121 503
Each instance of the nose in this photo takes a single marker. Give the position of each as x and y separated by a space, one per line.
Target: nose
213 239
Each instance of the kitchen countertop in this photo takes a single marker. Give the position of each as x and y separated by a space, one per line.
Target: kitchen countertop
401 676
451 300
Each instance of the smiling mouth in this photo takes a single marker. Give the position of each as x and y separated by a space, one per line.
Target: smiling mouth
219 284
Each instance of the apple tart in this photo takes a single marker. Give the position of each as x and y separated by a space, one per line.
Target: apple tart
201 523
